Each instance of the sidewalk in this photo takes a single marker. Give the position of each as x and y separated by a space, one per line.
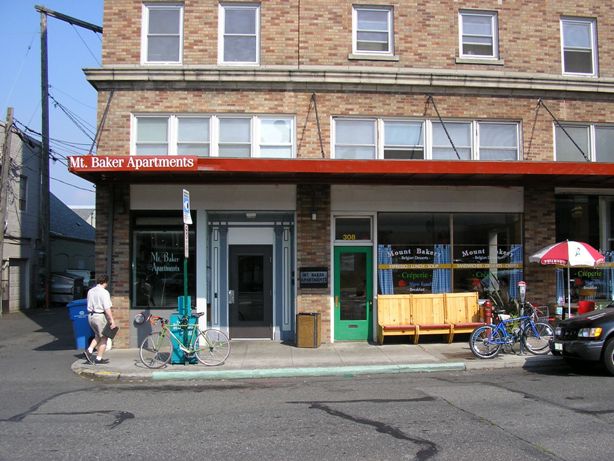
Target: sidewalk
267 359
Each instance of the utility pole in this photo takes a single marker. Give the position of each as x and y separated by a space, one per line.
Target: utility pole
4 189
45 218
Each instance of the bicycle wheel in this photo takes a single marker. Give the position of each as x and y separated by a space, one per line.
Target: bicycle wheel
536 338
212 347
485 342
156 350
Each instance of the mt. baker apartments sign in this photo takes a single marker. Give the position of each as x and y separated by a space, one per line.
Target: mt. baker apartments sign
101 163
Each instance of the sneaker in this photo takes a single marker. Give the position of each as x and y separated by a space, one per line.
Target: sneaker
101 361
88 356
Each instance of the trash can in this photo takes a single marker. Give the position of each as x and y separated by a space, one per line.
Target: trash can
77 312
308 329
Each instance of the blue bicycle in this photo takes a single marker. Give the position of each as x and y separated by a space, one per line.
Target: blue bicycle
486 341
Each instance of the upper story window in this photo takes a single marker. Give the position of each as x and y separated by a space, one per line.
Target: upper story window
417 139
478 34
239 34
162 33
372 30
234 136
573 141
579 46
23 192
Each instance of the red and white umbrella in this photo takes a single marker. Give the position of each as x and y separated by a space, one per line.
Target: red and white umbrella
568 254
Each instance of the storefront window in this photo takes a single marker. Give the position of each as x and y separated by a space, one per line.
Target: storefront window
417 254
157 263
580 218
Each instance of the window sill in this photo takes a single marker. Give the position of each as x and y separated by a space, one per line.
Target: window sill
483 61
372 57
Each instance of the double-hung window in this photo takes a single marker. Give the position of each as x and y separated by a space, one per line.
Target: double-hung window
239 33
193 136
355 138
151 136
23 192
459 132
235 137
276 135
372 30
498 141
162 33
478 34
575 141
403 139
579 46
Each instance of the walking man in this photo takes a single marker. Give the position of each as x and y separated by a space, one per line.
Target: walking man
99 313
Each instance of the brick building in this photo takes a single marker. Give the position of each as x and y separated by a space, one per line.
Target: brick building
341 150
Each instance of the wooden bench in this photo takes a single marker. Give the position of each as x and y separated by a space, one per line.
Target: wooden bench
427 314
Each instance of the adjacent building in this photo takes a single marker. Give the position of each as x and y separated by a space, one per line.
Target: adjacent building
335 151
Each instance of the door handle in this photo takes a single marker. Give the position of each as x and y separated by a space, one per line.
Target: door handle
231 296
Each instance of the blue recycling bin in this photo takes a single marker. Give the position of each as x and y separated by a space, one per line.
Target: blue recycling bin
77 311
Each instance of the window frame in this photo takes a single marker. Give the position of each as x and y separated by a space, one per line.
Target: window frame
592 129
382 138
146 8
390 29
333 137
592 22
222 33
478 143
214 132
22 199
494 23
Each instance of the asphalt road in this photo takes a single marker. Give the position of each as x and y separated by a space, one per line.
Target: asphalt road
49 413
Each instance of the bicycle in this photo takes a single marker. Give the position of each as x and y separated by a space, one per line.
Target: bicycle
211 346
486 341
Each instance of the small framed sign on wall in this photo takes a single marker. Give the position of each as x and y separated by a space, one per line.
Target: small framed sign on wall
313 277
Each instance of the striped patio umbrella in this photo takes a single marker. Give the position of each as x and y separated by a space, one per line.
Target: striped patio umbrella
568 254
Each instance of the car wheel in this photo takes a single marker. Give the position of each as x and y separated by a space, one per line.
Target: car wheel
608 356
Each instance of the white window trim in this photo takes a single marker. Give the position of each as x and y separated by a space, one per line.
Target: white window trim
494 21
145 30
592 138
173 125
389 10
446 123
593 26
221 31
427 133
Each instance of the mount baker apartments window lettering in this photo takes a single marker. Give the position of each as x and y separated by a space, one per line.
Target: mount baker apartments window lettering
478 34
162 33
239 34
425 139
579 46
372 30
267 136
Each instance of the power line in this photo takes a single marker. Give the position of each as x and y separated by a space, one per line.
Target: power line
72 185
86 46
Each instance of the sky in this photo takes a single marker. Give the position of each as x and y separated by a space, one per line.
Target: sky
70 50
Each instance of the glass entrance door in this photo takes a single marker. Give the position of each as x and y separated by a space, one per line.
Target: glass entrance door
250 295
353 293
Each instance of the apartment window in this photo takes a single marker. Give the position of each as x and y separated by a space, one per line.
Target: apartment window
23 192
403 140
214 135
498 141
239 27
162 33
604 140
478 34
594 140
193 136
235 137
372 30
151 136
459 132
579 43
355 139
276 137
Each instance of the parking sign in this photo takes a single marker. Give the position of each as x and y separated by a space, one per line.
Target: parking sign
187 217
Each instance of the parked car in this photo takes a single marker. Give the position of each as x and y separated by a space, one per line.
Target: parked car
65 287
587 338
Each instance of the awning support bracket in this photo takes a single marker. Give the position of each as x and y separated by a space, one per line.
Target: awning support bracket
540 102
432 101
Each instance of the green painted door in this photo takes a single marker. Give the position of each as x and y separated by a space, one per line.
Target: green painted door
353 293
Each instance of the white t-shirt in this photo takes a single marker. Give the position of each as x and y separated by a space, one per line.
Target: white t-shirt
98 299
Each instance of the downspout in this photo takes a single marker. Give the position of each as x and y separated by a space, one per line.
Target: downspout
110 234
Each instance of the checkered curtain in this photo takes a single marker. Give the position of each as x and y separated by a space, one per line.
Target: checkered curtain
386 285
441 277
608 279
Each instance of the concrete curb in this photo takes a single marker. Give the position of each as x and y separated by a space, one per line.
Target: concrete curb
307 372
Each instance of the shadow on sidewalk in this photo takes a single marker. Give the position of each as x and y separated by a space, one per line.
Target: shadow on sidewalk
56 323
